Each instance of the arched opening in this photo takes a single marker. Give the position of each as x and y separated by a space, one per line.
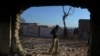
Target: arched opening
34 17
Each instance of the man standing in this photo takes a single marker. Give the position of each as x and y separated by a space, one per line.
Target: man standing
54 32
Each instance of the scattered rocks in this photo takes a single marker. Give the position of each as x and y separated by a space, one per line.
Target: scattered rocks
40 46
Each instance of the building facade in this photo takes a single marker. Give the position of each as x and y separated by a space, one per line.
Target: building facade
29 29
84 29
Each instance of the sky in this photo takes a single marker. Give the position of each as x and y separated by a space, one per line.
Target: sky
52 15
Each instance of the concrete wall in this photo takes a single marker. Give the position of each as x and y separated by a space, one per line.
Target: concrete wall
33 29
70 33
45 31
24 30
84 28
29 29
41 31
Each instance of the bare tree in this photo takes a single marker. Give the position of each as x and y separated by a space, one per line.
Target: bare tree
66 14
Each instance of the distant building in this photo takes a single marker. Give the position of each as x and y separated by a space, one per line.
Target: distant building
84 29
29 29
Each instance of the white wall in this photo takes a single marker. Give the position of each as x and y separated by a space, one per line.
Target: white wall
33 30
45 32
30 30
24 29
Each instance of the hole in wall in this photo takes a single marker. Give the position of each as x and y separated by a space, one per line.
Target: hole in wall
37 22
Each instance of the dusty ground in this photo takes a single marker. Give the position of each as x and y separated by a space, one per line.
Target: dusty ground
40 46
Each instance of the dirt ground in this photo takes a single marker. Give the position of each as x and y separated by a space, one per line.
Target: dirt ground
36 46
